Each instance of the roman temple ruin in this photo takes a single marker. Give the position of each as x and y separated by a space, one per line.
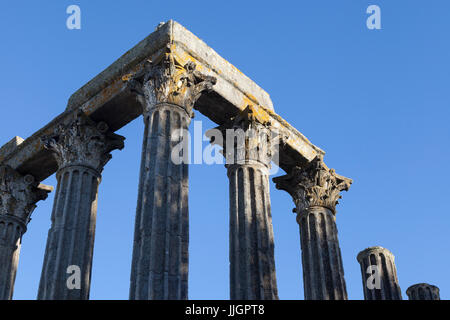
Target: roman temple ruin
162 80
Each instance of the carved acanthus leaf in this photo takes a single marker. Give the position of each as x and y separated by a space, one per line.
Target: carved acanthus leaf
313 185
248 137
83 142
166 80
19 194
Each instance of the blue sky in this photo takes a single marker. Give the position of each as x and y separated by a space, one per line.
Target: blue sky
375 100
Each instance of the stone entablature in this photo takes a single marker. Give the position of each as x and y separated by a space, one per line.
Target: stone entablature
108 98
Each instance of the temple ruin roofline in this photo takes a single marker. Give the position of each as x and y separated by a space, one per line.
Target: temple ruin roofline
107 98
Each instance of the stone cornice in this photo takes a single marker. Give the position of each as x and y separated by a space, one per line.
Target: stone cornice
82 142
314 185
107 98
19 194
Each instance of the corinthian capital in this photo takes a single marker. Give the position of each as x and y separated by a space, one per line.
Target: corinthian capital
314 185
166 80
19 194
248 137
83 142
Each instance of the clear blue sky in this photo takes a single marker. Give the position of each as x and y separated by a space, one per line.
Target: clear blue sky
377 101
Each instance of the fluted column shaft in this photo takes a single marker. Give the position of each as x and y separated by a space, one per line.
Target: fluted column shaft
315 190
248 146
11 231
167 90
323 272
252 262
18 197
423 291
379 274
71 236
160 254
81 148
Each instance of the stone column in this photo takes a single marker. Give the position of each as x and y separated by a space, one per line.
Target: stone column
248 150
423 291
18 197
167 91
315 190
379 274
81 149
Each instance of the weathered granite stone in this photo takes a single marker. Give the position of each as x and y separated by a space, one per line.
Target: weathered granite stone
423 291
316 190
248 158
383 260
18 197
10 147
81 149
232 84
107 98
167 92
